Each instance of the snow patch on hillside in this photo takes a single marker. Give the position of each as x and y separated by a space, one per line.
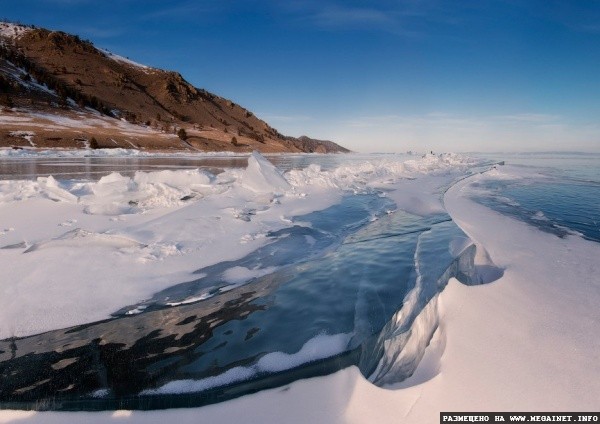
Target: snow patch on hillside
125 60
12 31
73 120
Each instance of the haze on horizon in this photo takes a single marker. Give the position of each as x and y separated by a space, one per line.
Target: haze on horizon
482 75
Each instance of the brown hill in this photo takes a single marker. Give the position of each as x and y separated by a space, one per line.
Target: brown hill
312 145
57 90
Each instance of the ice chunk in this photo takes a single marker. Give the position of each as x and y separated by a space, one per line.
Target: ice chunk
319 347
51 189
262 176
189 386
181 179
113 184
193 299
100 393
240 274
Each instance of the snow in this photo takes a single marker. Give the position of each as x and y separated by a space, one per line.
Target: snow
27 135
18 73
188 386
239 274
76 120
122 59
319 347
12 31
527 341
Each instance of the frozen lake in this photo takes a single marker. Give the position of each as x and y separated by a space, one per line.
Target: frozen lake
184 282
31 166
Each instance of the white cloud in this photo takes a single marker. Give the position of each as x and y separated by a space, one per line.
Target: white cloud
336 16
397 17
529 117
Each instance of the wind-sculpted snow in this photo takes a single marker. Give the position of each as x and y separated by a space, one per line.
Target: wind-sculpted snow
227 283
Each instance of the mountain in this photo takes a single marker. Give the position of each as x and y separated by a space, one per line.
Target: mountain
57 90
312 145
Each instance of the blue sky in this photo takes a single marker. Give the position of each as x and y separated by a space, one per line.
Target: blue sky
480 75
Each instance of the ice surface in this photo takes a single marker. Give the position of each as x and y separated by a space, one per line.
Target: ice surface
80 238
527 342
71 153
180 220
239 274
150 231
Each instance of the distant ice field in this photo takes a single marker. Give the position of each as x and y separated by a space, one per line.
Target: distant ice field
557 193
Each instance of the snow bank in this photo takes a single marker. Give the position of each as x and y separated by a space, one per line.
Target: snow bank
319 347
27 135
189 386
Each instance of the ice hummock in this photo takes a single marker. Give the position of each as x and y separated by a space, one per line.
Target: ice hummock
262 176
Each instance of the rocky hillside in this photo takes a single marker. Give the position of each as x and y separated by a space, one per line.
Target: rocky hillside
57 90
312 145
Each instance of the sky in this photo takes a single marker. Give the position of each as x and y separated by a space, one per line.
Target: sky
384 76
